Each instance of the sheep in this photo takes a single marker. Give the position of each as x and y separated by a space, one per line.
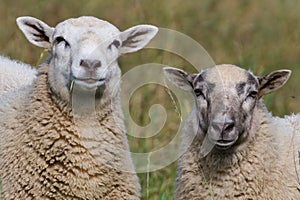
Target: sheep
232 147
63 137
14 74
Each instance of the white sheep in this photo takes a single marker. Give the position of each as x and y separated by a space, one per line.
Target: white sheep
14 74
47 149
232 147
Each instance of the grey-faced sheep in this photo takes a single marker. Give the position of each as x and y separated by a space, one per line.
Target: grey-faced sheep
46 152
232 147
14 74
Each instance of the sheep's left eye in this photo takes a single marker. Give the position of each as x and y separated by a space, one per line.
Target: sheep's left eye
115 43
252 94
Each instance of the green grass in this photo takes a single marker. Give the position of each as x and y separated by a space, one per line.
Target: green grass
257 35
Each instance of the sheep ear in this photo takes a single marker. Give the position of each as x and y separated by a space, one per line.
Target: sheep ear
36 31
273 81
180 78
135 38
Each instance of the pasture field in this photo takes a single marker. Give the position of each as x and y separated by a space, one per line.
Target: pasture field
258 35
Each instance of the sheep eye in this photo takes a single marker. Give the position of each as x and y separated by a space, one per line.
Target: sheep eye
60 39
198 93
115 43
252 94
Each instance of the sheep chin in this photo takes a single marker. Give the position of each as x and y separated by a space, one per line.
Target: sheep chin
206 147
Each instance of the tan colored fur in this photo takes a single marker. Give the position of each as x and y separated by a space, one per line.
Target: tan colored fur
260 158
43 157
257 172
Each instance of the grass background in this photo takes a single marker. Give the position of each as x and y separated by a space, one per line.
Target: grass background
257 35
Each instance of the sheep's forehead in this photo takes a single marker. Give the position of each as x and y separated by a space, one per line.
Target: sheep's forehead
86 28
226 78
227 74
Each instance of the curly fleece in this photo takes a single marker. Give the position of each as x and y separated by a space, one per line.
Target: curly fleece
258 171
42 156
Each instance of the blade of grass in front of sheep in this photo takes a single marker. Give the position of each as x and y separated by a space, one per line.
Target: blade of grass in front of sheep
71 86
43 57
148 173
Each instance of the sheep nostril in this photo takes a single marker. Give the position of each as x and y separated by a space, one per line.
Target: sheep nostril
82 63
228 127
96 63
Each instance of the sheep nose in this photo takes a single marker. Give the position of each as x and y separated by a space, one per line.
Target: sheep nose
223 128
90 64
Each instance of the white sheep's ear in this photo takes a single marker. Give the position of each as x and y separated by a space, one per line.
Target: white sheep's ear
180 78
36 31
273 81
135 38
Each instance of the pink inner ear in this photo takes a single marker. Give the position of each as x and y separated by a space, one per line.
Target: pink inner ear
137 37
132 39
273 81
36 31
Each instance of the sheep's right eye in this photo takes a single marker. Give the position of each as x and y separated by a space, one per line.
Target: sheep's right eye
60 40
198 93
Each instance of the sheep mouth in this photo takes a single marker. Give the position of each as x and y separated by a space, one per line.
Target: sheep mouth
224 144
90 80
89 83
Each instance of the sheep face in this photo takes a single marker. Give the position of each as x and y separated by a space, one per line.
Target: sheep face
84 50
226 97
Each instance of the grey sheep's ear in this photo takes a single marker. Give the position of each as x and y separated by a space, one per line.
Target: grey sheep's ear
273 81
180 78
36 31
136 38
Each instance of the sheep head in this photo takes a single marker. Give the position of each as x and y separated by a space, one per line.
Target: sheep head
226 97
84 50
